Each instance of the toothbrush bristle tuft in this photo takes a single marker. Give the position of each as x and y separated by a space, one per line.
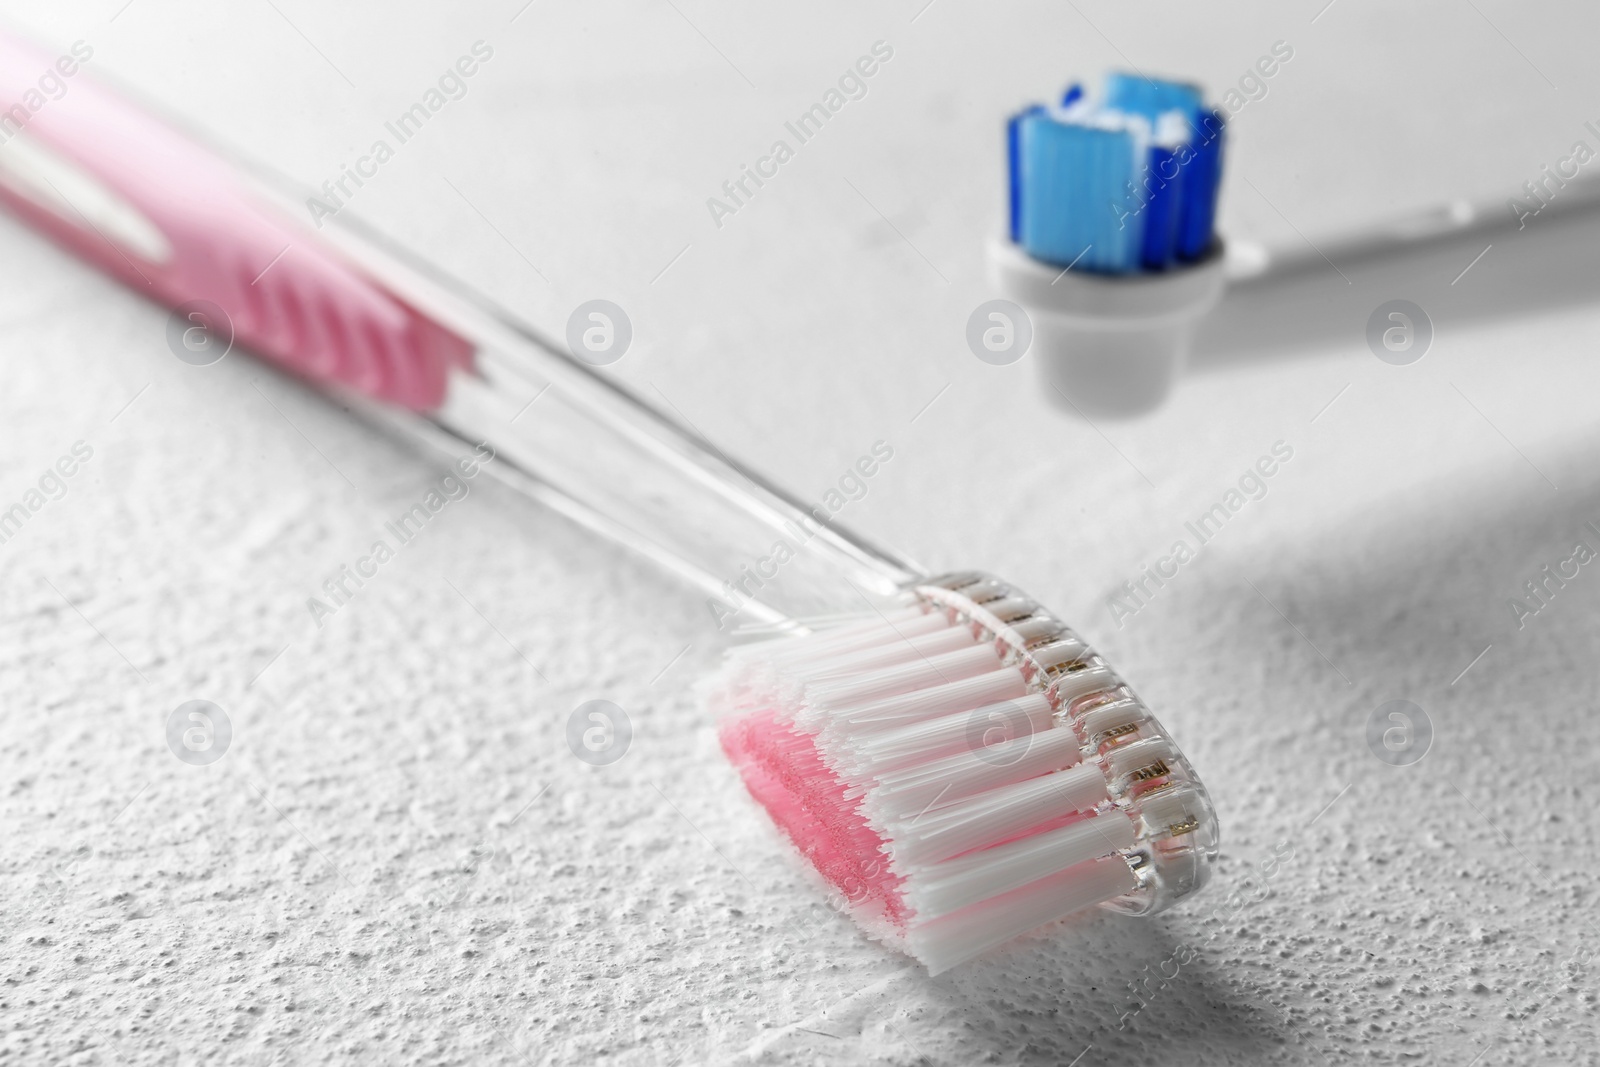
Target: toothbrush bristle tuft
963 768
1117 181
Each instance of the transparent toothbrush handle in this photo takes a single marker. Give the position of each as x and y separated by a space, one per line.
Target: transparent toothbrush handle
609 461
177 220
569 435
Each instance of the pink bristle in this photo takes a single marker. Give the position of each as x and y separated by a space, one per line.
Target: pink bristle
783 772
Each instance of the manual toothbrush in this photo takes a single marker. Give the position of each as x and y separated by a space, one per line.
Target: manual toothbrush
957 761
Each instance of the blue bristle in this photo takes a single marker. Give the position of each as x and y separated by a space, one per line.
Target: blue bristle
1050 159
1013 169
1075 182
1201 178
1121 221
1151 98
1161 211
1078 196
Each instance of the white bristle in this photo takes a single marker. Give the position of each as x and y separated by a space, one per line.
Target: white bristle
921 673
755 672
946 887
899 792
891 626
959 936
914 745
994 815
857 661
959 740
905 708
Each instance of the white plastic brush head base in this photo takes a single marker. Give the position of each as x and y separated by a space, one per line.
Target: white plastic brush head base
1108 344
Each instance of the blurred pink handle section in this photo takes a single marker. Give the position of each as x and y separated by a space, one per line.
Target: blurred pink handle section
175 222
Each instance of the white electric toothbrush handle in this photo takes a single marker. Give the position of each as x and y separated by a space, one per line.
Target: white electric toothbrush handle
1448 221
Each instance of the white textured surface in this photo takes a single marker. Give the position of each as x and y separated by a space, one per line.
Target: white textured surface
399 860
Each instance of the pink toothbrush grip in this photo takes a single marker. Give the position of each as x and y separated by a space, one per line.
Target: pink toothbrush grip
174 221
